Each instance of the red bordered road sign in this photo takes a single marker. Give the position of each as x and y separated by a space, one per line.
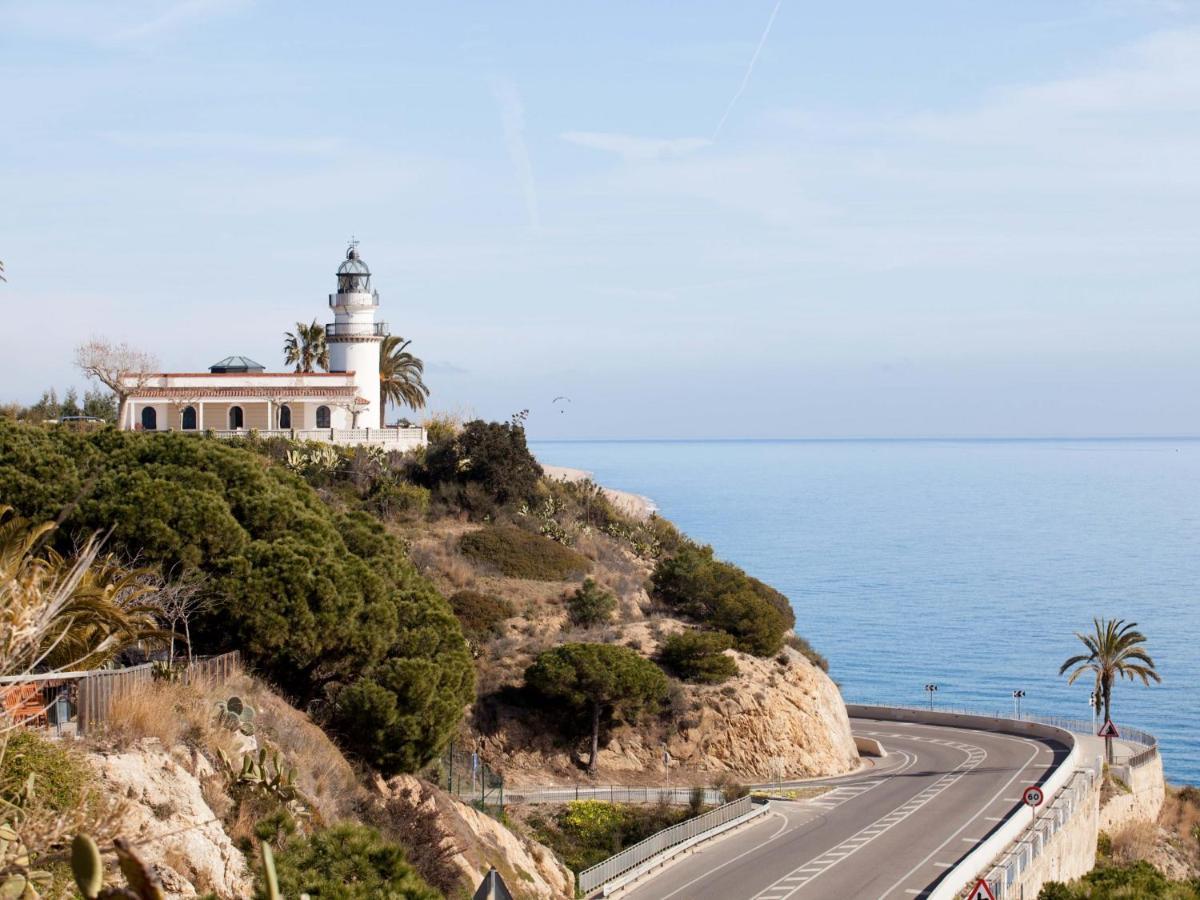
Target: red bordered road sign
981 891
1033 796
1108 730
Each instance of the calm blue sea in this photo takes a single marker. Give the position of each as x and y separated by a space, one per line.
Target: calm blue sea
968 563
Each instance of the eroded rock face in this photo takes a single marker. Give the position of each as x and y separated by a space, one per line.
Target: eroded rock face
529 869
778 717
173 827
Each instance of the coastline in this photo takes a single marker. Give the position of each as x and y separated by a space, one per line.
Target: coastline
632 504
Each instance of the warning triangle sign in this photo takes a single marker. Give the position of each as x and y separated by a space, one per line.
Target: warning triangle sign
981 891
1108 730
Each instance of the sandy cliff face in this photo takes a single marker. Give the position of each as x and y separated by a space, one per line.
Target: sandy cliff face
529 869
170 822
774 719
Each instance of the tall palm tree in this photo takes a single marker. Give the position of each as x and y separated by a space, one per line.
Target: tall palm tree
1114 651
306 348
400 376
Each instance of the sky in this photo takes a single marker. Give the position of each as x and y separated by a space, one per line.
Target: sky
762 218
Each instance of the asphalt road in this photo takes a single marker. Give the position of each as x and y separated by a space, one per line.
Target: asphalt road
891 831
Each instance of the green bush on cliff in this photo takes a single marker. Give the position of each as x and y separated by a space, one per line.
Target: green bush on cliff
699 656
724 597
590 605
518 553
1136 880
320 602
491 457
346 862
480 614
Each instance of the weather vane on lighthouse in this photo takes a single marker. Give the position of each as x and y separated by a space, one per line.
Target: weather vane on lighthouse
353 241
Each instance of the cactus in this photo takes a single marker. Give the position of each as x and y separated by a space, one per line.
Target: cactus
23 883
268 859
269 775
142 883
236 715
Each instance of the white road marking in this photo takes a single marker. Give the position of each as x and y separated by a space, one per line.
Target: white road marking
1018 774
789 884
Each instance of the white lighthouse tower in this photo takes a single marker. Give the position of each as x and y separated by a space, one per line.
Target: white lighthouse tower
354 336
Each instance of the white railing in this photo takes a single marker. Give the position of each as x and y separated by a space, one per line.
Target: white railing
626 863
1004 876
404 437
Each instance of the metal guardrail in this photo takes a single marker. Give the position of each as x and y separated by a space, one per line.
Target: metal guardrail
1005 874
632 857
345 329
678 796
1129 734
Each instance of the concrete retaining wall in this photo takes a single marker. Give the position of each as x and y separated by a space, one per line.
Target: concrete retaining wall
1142 804
1070 854
869 746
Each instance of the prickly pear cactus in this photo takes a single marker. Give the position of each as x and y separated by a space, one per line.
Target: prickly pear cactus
88 868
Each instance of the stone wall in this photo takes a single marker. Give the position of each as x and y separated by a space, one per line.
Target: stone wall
1070 854
1147 790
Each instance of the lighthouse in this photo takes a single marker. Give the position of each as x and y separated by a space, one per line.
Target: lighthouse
354 336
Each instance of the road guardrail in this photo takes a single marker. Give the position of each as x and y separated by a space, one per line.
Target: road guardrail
632 862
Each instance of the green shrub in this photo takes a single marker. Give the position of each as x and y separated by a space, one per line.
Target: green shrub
590 605
724 597
480 614
346 862
1135 880
60 778
586 832
491 455
397 500
602 682
521 554
317 601
699 656
806 649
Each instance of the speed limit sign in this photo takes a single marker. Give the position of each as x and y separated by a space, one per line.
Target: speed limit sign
1033 796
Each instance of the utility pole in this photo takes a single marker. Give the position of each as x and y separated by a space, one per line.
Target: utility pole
1092 703
1017 695
931 689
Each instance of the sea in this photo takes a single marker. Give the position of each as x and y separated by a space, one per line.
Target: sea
968 564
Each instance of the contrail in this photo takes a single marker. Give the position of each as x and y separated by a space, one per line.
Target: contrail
749 70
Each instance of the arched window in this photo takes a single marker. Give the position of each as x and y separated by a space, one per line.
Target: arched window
323 417
285 416
189 419
149 419
236 419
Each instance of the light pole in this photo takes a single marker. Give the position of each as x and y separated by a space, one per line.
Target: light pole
1093 702
1017 695
931 689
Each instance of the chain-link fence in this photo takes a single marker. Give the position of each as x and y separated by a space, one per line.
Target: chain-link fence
469 778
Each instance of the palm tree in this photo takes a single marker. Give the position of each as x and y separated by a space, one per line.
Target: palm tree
1114 650
399 376
306 348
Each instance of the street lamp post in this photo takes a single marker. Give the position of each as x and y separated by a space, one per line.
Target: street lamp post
1017 695
1093 702
931 689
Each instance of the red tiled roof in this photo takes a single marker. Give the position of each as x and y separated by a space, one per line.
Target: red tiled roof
283 392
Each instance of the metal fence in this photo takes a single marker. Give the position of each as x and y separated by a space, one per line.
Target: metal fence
83 701
632 857
676 796
469 778
1006 872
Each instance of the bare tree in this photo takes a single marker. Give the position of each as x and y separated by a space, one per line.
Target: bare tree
179 600
122 369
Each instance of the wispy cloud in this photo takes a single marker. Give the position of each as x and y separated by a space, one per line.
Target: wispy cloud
512 118
226 143
749 70
633 147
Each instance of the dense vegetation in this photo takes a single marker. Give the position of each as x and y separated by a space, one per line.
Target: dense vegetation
482 467
346 862
95 403
518 553
600 682
699 656
725 598
587 832
323 602
480 614
1128 882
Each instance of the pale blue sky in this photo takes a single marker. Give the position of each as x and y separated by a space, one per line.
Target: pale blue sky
917 219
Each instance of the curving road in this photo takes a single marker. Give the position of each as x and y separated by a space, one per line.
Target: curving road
887 832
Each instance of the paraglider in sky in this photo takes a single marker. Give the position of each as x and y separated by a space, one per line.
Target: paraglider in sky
563 408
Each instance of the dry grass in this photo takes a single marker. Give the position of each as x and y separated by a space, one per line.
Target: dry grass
1134 842
1181 817
174 714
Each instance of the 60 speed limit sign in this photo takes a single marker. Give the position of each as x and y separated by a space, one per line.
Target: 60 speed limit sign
1033 796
